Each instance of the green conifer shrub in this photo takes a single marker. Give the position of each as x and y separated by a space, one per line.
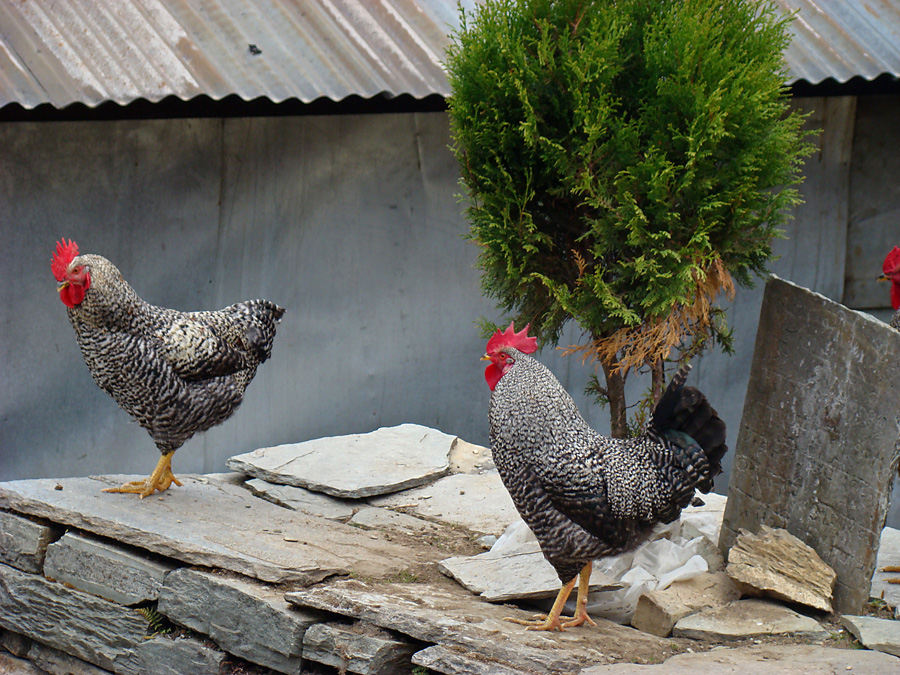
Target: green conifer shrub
624 161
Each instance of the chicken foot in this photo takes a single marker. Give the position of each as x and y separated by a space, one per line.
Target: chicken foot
554 620
161 478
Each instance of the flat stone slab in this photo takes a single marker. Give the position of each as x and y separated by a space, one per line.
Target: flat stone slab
817 447
357 648
478 502
301 499
379 518
244 618
11 665
658 611
167 656
455 619
104 569
747 619
882 635
522 575
763 660
212 524
467 457
23 543
777 564
355 466
93 629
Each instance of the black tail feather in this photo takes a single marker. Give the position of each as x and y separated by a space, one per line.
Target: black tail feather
686 410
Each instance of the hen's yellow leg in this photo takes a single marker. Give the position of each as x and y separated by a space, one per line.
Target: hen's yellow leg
161 478
553 620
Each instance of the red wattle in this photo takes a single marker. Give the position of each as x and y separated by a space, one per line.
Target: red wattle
895 295
72 295
492 374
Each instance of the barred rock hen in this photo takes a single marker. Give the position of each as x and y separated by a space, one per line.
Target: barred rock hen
176 373
585 495
891 272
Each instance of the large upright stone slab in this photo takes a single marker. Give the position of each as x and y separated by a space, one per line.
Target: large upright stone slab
354 466
818 443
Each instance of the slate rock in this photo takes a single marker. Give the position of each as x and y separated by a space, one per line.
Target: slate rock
247 619
358 648
56 662
775 563
178 656
452 617
23 543
658 611
301 499
355 466
882 635
12 665
14 643
110 571
467 457
83 625
522 575
385 519
212 524
817 448
478 502
441 659
888 556
746 619
763 659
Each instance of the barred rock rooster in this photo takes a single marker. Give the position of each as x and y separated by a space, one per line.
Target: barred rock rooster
584 495
891 272
176 373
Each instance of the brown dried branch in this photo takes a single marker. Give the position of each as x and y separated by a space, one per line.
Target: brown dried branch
655 338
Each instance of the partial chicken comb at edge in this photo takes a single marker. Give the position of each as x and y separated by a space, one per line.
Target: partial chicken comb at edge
510 338
892 261
65 253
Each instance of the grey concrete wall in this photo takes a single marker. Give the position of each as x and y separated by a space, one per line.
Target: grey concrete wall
350 222
353 224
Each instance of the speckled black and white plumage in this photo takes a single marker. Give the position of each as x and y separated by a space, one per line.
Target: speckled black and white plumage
586 496
176 373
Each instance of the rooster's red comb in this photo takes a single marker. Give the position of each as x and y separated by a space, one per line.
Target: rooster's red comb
65 253
510 338
892 261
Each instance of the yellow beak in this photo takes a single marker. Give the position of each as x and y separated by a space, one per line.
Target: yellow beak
485 358
884 277
62 285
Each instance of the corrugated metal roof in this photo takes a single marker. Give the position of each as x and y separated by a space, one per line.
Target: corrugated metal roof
90 51
843 39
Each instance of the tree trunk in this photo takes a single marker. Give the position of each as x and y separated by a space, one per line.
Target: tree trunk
657 379
615 392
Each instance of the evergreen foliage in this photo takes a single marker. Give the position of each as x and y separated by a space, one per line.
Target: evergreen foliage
623 160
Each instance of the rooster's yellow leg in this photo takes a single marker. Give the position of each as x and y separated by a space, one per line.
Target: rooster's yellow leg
549 621
581 615
161 478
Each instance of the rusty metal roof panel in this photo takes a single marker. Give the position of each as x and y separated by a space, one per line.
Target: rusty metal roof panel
843 39
91 51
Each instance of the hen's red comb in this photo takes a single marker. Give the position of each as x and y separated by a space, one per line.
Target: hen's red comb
892 261
510 338
65 253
